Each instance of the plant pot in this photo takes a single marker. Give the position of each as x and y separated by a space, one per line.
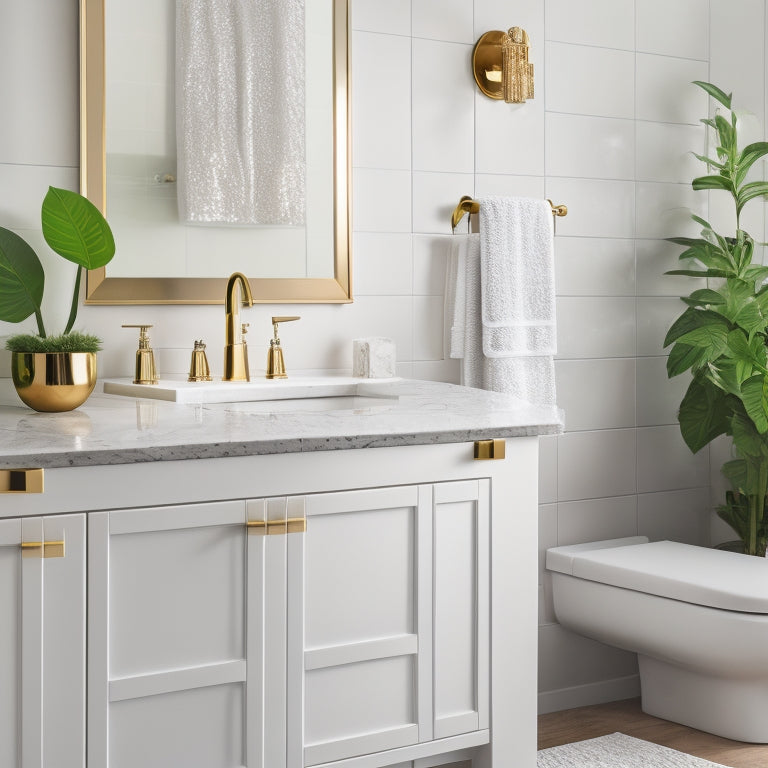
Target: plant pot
53 381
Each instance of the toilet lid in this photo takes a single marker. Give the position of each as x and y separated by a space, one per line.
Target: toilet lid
698 575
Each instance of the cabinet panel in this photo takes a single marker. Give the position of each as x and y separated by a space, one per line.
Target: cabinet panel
361 565
202 727
42 643
176 598
10 640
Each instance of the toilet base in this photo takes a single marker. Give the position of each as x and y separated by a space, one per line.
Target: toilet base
735 709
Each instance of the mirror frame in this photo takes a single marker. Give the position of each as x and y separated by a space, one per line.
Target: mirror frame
101 289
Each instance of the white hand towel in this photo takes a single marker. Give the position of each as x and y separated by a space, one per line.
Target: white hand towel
463 307
518 280
517 287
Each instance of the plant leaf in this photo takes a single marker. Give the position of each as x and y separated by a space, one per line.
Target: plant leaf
682 357
22 278
754 395
748 191
704 297
715 92
703 414
699 272
709 161
712 182
76 230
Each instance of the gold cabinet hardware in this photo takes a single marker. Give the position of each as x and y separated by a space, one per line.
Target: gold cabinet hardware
21 480
42 549
490 449
277 527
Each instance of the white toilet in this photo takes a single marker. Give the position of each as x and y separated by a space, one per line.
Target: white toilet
697 618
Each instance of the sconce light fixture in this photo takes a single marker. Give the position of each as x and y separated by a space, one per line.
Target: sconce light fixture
501 66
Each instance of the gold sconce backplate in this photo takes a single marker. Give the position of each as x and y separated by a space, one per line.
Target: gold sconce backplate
487 64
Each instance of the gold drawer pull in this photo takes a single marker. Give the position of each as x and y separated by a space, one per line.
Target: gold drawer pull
21 480
42 549
490 449
277 527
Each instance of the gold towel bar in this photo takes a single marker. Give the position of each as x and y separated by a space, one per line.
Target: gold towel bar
470 206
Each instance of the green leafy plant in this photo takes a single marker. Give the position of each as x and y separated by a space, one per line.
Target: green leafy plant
76 230
721 336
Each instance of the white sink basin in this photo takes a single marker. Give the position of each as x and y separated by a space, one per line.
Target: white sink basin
294 388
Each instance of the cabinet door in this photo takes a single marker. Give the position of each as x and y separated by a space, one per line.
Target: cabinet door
367 622
42 642
396 617
461 607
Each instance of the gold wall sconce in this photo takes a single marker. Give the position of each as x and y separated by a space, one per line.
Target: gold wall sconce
501 67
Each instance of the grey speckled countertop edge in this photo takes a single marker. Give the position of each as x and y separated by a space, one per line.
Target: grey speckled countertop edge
110 429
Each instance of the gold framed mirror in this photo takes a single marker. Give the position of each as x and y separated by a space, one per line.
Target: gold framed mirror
111 286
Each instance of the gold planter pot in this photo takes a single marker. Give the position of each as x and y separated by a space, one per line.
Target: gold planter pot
54 381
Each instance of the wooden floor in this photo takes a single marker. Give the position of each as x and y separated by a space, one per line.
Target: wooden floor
627 717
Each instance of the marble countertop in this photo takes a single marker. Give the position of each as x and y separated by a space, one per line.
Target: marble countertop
112 429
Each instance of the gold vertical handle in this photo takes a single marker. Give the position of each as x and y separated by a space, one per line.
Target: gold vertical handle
21 481
489 450
277 527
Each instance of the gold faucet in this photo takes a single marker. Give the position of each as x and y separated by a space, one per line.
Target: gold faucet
235 348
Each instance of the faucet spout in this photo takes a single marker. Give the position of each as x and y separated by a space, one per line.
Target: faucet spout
235 348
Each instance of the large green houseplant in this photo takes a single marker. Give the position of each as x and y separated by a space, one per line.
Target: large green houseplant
721 336
53 372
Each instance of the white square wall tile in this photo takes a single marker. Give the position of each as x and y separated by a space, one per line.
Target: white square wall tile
428 327
658 396
589 147
665 463
595 465
605 23
392 17
443 107
505 185
679 29
435 196
590 81
381 101
501 14
510 137
654 318
548 468
590 266
22 189
383 263
596 208
381 200
664 210
740 27
654 259
589 327
449 20
596 394
430 256
665 152
596 520
665 90
675 516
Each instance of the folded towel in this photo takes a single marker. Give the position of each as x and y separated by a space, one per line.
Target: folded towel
518 281
463 307
240 138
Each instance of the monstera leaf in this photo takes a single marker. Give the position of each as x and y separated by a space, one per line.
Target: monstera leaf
74 227
21 278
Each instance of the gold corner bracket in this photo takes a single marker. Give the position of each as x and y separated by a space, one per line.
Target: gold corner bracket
501 67
21 481
489 450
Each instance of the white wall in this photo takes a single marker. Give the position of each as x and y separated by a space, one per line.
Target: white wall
608 134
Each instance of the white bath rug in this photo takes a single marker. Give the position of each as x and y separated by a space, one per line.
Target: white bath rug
618 751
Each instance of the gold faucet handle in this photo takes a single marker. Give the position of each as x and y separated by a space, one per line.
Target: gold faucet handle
285 319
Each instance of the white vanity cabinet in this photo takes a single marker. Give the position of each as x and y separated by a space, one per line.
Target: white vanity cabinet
42 642
349 609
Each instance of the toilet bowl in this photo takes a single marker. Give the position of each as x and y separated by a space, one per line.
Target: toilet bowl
697 618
